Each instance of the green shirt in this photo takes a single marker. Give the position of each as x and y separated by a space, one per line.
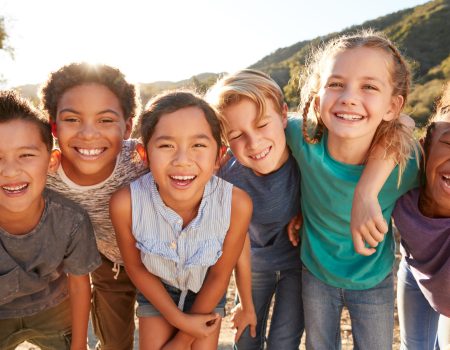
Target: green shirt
327 188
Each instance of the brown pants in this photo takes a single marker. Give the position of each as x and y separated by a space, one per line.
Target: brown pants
113 307
48 329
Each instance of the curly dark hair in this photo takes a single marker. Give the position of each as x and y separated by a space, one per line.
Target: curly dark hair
76 74
13 107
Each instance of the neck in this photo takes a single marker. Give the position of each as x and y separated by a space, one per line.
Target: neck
429 208
349 151
23 222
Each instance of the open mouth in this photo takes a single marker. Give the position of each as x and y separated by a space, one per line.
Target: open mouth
15 189
262 154
182 180
90 152
350 117
446 180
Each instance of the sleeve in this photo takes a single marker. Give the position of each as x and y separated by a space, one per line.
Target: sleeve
82 255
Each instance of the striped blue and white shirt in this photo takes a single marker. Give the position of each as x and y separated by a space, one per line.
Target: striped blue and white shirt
180 256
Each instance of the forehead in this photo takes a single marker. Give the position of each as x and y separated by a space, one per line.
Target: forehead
20 134
361 62
247 111
187 121
89 97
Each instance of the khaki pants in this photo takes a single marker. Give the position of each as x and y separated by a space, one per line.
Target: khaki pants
50 329
113 307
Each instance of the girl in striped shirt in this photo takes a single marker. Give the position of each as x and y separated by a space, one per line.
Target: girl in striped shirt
179 228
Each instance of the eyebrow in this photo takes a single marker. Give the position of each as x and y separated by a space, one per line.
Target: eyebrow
337 76
170 138
70 110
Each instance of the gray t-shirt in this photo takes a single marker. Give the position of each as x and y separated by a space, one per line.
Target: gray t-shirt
33 266
276 200
95 198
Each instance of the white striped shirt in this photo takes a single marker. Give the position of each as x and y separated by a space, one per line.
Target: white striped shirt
180 256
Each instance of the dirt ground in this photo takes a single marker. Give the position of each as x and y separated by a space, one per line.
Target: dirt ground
227 335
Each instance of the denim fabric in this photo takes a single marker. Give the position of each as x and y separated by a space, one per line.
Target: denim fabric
371 313
146 309
287 324
419 322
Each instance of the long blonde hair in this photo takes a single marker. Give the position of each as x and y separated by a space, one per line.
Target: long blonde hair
397 139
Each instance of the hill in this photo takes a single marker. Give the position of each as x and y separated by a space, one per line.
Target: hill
423 35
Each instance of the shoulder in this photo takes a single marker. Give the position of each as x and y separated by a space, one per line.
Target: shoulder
241 203
62 204
121 199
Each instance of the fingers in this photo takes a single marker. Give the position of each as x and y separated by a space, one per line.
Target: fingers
238 333
360 246
293 236
253 330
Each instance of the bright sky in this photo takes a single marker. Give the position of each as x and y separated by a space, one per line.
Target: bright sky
171 39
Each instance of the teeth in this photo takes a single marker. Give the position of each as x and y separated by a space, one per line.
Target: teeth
446 177
349 116
14 188
90 151
262 154
183 178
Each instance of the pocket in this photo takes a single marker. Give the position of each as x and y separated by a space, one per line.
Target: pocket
166 250
204 253
10 286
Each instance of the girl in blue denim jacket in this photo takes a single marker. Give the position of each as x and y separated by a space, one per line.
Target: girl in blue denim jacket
179 228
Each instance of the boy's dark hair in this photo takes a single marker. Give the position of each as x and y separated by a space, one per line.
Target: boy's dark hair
13 107
76 74
173 101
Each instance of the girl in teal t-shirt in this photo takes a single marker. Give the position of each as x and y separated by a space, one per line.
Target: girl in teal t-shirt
355 89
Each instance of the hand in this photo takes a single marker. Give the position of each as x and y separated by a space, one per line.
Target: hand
241 319
293 229
367 224
200 326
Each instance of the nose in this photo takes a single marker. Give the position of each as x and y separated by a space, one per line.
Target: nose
9 168
182 158
88 130
253 141
348 96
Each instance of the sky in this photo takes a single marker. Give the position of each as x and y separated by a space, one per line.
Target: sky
167 40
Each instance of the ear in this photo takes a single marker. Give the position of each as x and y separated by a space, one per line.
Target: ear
284 114
128 128
222 158
140 149
395 108
55 160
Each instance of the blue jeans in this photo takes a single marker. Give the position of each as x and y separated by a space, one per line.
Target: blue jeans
419 322
287 324
371 313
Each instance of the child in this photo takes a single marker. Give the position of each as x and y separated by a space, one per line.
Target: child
423 219
254 113
180 229
356 87
91 109
47 245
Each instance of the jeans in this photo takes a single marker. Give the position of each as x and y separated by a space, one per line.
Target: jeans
371 313
287 324
419 322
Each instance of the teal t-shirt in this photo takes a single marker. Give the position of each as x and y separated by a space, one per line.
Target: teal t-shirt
327 188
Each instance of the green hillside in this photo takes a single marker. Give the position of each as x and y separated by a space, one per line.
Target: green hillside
423 35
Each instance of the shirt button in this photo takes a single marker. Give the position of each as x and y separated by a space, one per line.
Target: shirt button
173 244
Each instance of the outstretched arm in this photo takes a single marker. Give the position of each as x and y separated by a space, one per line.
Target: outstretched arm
218 277
367 222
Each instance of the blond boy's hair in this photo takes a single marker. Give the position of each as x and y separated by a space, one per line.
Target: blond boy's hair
250 84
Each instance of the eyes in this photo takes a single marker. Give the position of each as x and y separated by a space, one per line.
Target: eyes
102 120
340 85
237 135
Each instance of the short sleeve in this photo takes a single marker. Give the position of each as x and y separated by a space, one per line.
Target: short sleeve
82 255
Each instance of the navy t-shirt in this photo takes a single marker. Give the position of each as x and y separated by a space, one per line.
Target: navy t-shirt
276 200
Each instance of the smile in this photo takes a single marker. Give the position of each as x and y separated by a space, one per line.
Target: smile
90 152
446 179
182 180
15 189
349 116
261 155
